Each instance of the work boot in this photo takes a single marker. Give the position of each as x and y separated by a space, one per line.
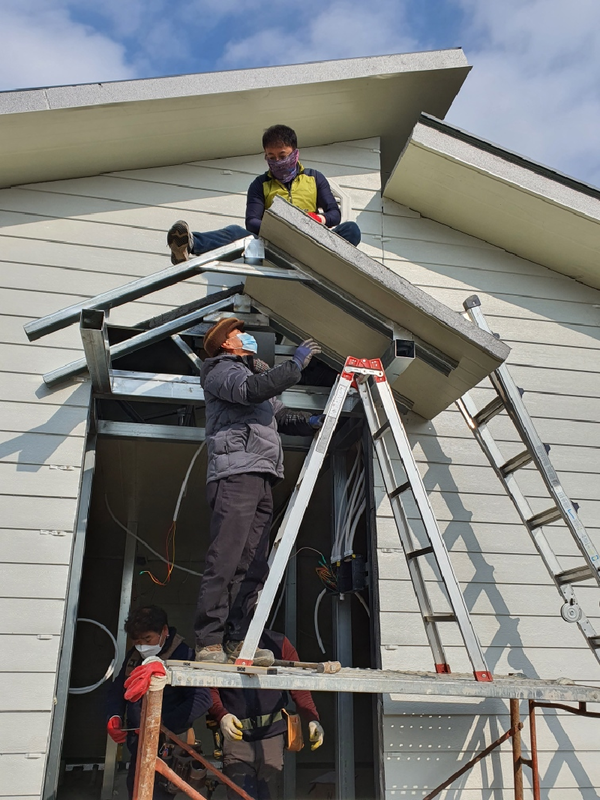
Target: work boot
181 240
212 652
262 658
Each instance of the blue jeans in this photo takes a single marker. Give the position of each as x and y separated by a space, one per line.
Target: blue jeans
210 240
348 231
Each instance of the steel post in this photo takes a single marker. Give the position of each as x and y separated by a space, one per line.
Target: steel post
145 767
290 627
342 631
110 756
70 623
534 751
515 724
96 348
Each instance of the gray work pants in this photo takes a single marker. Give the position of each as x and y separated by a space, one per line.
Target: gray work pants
235 565
255 767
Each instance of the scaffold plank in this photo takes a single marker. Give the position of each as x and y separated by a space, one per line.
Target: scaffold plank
373 681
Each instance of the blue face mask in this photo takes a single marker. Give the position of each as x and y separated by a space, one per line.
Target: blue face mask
248 342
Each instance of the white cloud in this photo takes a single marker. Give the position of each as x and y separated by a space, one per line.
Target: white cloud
43 46
534 84
342 29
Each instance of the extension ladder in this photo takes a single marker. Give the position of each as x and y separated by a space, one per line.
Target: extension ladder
508 398
392 448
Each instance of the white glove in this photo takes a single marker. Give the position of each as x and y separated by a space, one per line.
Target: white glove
231 727
315 734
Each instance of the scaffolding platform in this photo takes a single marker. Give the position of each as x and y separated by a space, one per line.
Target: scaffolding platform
373 681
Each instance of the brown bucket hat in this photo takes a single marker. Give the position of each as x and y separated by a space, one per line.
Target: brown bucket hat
215 336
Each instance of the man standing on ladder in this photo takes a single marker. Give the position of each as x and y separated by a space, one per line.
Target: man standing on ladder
245 457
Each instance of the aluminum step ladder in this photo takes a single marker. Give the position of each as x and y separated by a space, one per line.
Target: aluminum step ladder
393 451
535 452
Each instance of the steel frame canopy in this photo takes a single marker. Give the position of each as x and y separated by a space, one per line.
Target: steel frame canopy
352 303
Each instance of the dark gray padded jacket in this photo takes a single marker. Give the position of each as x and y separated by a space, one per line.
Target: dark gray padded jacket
243 417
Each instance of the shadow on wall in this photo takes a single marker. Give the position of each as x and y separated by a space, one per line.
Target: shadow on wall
35 446
471 732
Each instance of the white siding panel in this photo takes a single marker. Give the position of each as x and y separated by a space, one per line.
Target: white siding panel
47 581
43 417
19 650
45 481
35 547
23 733
48 513
27 691
31 389
32 449
26 616
21 775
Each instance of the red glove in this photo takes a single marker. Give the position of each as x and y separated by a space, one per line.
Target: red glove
138 683
317 217
114 730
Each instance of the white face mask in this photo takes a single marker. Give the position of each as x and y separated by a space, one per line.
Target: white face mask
147 650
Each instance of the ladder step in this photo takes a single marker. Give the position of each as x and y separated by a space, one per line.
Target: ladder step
488 412
516 462
380 431
574 575
447 617
594 641
424 551
544 518
398 490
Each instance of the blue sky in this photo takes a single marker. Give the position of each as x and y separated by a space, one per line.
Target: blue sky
534 87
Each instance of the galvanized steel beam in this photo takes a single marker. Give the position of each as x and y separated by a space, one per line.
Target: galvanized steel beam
96 348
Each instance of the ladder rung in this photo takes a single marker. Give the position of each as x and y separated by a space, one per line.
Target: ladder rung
424 551
574 575
516 462
544 518
398 490
380 431
488 412
448 617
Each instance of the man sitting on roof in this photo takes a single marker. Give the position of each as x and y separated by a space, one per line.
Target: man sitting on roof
286 177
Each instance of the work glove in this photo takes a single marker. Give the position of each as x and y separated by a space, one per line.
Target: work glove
138 683
316 421
305 352
231 727
115 730
316 734
317 217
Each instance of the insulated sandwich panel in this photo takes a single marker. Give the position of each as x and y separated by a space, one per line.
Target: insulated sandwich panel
384 296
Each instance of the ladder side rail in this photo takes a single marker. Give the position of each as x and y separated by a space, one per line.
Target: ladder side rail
404 533
468 409
457 600
506 388
290 526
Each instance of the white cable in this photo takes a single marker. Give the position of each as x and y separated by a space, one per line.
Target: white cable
316 620
111 668
362 601
351 533
146 545
185 480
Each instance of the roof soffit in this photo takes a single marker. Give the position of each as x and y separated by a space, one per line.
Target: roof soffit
73 131
479 189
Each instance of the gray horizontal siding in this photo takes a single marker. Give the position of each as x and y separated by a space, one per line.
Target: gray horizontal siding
552 324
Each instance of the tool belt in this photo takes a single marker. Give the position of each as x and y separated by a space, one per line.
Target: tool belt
260 721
